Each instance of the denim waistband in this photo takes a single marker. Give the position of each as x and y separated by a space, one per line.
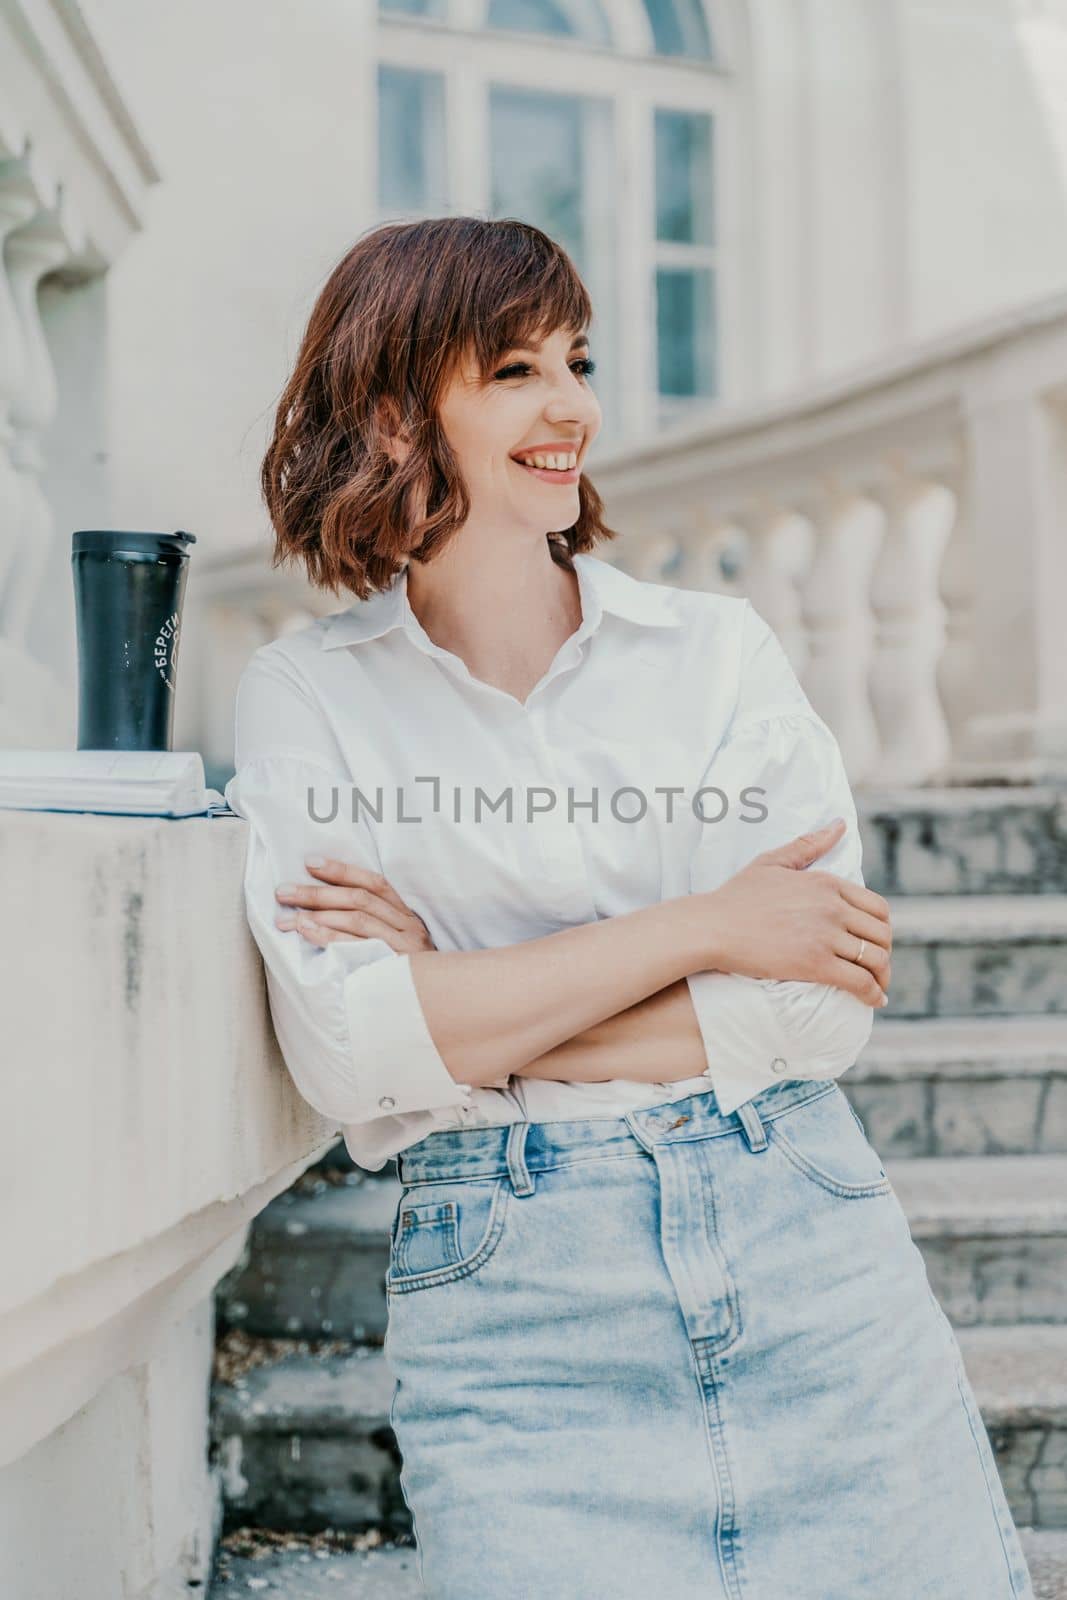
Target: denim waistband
519 1148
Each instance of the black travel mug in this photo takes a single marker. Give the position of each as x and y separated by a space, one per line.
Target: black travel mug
128 593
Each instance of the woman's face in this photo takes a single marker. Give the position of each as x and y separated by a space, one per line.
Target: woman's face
536 403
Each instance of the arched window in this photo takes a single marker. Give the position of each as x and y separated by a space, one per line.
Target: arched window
679 28
604 122
415 8
575 19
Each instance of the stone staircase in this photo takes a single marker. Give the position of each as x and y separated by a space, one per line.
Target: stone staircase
963 1091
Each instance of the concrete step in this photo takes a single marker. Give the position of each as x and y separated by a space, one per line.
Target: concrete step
1019 1376
992 1231
392 1574
306 1443
963 1086
1045 1550
978 955
993 1234
314 1263
310 1573
996 840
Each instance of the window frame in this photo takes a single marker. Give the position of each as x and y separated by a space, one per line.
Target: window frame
470 58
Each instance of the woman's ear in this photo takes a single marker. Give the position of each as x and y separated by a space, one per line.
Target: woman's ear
392 436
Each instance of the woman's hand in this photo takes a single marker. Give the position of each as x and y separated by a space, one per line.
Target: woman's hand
782 922
349 902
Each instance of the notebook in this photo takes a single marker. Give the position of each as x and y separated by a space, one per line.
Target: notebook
141 783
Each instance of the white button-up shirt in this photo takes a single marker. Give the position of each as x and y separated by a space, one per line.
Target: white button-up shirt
619 782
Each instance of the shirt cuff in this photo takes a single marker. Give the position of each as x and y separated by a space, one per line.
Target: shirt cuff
746 1046
393 1054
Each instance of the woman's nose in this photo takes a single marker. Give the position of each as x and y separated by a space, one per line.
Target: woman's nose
577 410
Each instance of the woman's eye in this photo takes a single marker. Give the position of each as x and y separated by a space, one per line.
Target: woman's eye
586 367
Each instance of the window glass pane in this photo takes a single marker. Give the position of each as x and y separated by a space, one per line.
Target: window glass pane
414 8
411 140
684 182
531 16
553 163
685 331
536 162
580 19
679 28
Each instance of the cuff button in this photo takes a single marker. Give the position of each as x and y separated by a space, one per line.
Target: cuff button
778 1065
387 1102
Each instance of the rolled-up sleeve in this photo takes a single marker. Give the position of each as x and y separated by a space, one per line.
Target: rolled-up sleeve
346 1014
757 1031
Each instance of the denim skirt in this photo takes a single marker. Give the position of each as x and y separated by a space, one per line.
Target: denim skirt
686 1354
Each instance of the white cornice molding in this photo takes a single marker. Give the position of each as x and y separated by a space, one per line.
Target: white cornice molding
70 14
92 143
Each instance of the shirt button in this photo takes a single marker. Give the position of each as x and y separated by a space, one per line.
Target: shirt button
387 1102
778 1065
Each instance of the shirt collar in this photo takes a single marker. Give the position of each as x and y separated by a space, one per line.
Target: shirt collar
602 587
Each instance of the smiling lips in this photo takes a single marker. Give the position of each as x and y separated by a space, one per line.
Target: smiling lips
551 474
559 466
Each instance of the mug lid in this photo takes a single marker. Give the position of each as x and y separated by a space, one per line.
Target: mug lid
112 539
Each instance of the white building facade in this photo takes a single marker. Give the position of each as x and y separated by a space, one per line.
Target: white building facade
761 195
826 242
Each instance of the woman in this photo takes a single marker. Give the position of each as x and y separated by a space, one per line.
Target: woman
556 877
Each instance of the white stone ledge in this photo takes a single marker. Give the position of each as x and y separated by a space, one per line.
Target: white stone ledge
147 1112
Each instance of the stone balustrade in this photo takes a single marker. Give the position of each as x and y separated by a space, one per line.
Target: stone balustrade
900 528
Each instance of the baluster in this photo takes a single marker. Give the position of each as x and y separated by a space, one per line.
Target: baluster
653 555
913 735
227 634
957 675
714 553
776 539
834 609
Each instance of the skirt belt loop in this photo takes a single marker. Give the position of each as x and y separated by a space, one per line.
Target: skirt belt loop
752 1124
518 1172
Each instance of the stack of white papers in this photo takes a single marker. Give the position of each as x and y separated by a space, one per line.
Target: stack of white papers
143 783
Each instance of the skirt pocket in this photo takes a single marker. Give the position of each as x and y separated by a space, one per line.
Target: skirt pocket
445 1229
823 1138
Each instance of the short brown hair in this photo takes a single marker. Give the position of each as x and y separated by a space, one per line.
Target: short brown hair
392 322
